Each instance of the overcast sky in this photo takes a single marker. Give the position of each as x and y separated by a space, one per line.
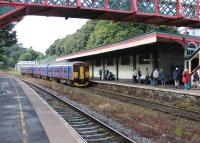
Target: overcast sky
40 32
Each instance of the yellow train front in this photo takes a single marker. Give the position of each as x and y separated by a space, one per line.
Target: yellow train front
80 74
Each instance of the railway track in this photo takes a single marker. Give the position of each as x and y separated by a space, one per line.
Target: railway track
90 129
173 110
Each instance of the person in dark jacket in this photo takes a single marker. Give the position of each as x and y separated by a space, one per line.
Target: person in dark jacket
162 77
100 74
147 76
176 77
139 74
196 79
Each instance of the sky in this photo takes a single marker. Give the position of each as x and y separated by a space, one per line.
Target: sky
40 32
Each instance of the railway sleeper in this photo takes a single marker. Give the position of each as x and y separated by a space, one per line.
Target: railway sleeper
77 119
94 131
94 136
109 139
86 128
82 125
79 122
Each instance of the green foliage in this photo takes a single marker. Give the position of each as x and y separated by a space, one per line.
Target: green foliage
30 55
11 55
7 36
95 33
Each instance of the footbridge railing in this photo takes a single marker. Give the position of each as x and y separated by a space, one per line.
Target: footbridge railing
160 12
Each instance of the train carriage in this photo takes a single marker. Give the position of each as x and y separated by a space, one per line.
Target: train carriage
74 73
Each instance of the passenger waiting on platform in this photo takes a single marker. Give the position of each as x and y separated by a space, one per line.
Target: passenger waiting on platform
134 77
185 78
155 77
196 80
176 77
139 74
110 76
106 72
162 77
147 76
151 78
100 74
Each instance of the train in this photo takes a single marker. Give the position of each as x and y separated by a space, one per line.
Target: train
73 73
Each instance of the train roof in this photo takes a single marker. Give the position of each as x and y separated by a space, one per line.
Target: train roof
55 64
64 63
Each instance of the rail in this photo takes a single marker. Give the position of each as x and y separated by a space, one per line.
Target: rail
89 128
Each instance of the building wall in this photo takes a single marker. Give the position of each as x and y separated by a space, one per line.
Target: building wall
144 66
125 71
113 67
168 59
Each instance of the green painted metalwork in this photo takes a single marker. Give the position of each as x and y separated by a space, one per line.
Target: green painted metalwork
146 6
167 7
119 5
189 8
62 2
5 9
92 3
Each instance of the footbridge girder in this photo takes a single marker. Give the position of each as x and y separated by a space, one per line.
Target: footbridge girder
159 12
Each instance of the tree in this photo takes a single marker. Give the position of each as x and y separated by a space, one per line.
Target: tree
7 36
95 33
30 55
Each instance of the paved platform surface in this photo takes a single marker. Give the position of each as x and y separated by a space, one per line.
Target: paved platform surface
167 88
26 118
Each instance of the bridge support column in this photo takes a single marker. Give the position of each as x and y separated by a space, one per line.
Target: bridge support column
117 68
92 68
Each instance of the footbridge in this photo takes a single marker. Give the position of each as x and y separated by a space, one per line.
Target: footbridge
159 12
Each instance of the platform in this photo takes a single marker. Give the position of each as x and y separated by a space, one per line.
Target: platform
26 118
166 88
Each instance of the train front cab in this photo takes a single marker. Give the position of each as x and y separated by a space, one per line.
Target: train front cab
81 74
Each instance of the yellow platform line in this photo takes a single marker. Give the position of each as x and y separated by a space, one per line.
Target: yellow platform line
21 114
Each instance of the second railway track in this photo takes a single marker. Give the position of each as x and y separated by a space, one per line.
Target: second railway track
90 129
173 110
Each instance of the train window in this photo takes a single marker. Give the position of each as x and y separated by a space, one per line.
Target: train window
65 70
144 59
76 68
98 63
56 70
109 61
86 68
125 60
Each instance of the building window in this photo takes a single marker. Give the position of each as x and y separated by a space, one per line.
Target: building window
98 63
109 61
144 59
125 60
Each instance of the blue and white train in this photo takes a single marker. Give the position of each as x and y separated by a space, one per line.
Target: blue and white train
74 73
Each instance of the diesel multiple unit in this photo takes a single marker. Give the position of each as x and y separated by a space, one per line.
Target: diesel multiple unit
74 73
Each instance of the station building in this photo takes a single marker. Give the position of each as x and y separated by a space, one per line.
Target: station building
152 50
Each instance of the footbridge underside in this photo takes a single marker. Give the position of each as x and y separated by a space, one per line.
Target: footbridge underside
159 12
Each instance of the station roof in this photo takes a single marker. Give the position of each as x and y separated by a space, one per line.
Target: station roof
144 39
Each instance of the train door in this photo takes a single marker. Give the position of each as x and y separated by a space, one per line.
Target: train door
52 72
62 72
81 74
